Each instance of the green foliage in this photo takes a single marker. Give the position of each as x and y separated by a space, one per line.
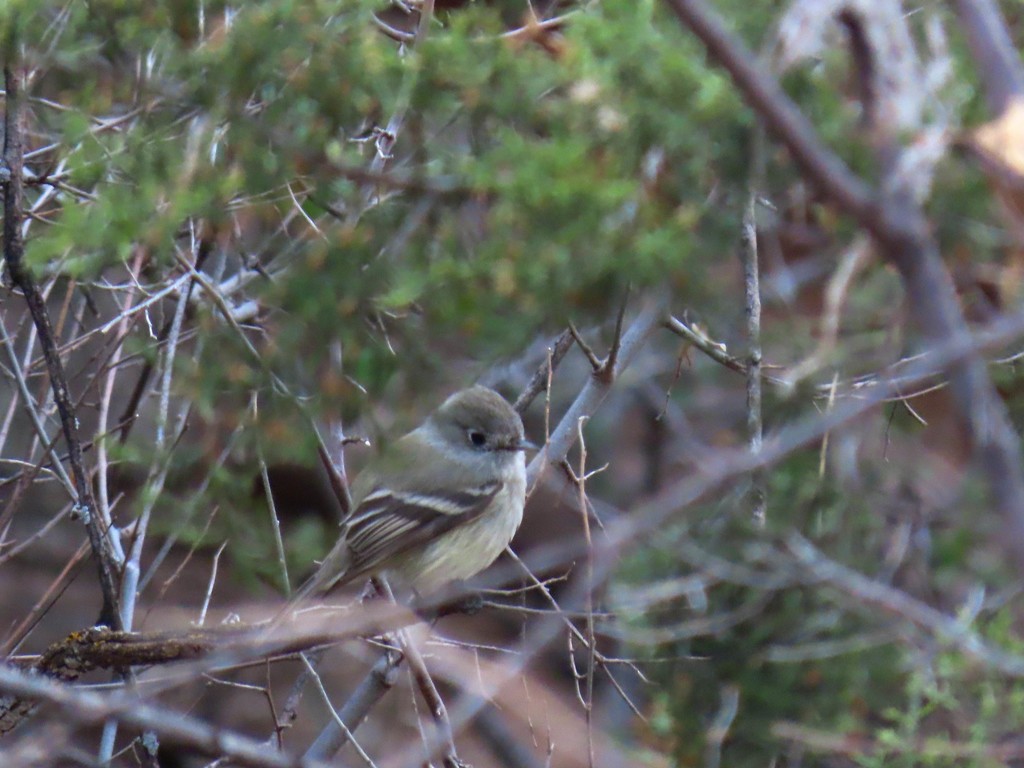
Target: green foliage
581 163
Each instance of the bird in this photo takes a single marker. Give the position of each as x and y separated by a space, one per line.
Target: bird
438 505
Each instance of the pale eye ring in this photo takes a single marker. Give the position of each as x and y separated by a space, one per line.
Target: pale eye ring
477 438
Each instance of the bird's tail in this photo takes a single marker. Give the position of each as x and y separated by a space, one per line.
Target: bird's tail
332 572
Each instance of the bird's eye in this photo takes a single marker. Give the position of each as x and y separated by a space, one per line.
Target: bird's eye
477 438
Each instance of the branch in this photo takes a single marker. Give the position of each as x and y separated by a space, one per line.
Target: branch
752 304
89 708
102 648
780 115
713 349
388 137
539 381
586 349
380 679
869 595
596 390
14 253
431 697
994 52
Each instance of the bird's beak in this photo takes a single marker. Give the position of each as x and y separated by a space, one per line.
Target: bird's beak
524 445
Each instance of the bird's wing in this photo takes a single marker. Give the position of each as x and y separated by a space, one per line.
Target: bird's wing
389 522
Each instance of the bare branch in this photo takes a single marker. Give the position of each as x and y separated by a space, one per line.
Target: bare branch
14 252
539 381
870 594
713 349
310 670
378 681
752 305
994 52
596 390
607 370
595 362
431 697
89 708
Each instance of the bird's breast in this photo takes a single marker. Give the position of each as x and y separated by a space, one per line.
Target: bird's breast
466 550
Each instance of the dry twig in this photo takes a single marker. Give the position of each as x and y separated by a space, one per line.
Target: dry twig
14 251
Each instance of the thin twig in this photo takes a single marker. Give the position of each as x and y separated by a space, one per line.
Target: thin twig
592 358
380 679
713 349
429 692
275 523
33 413
581 482
349 736
132 563
333 458
539 382
210 584
752 304
850 263
607 370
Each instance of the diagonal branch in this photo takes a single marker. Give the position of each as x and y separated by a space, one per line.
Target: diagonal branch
596 389
539 381
998 60
607 370
14 255
378 681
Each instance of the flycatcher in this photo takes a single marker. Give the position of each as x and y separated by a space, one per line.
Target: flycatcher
439 504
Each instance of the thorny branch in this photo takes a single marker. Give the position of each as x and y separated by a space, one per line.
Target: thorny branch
596 389
752 306
539 381
14 252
